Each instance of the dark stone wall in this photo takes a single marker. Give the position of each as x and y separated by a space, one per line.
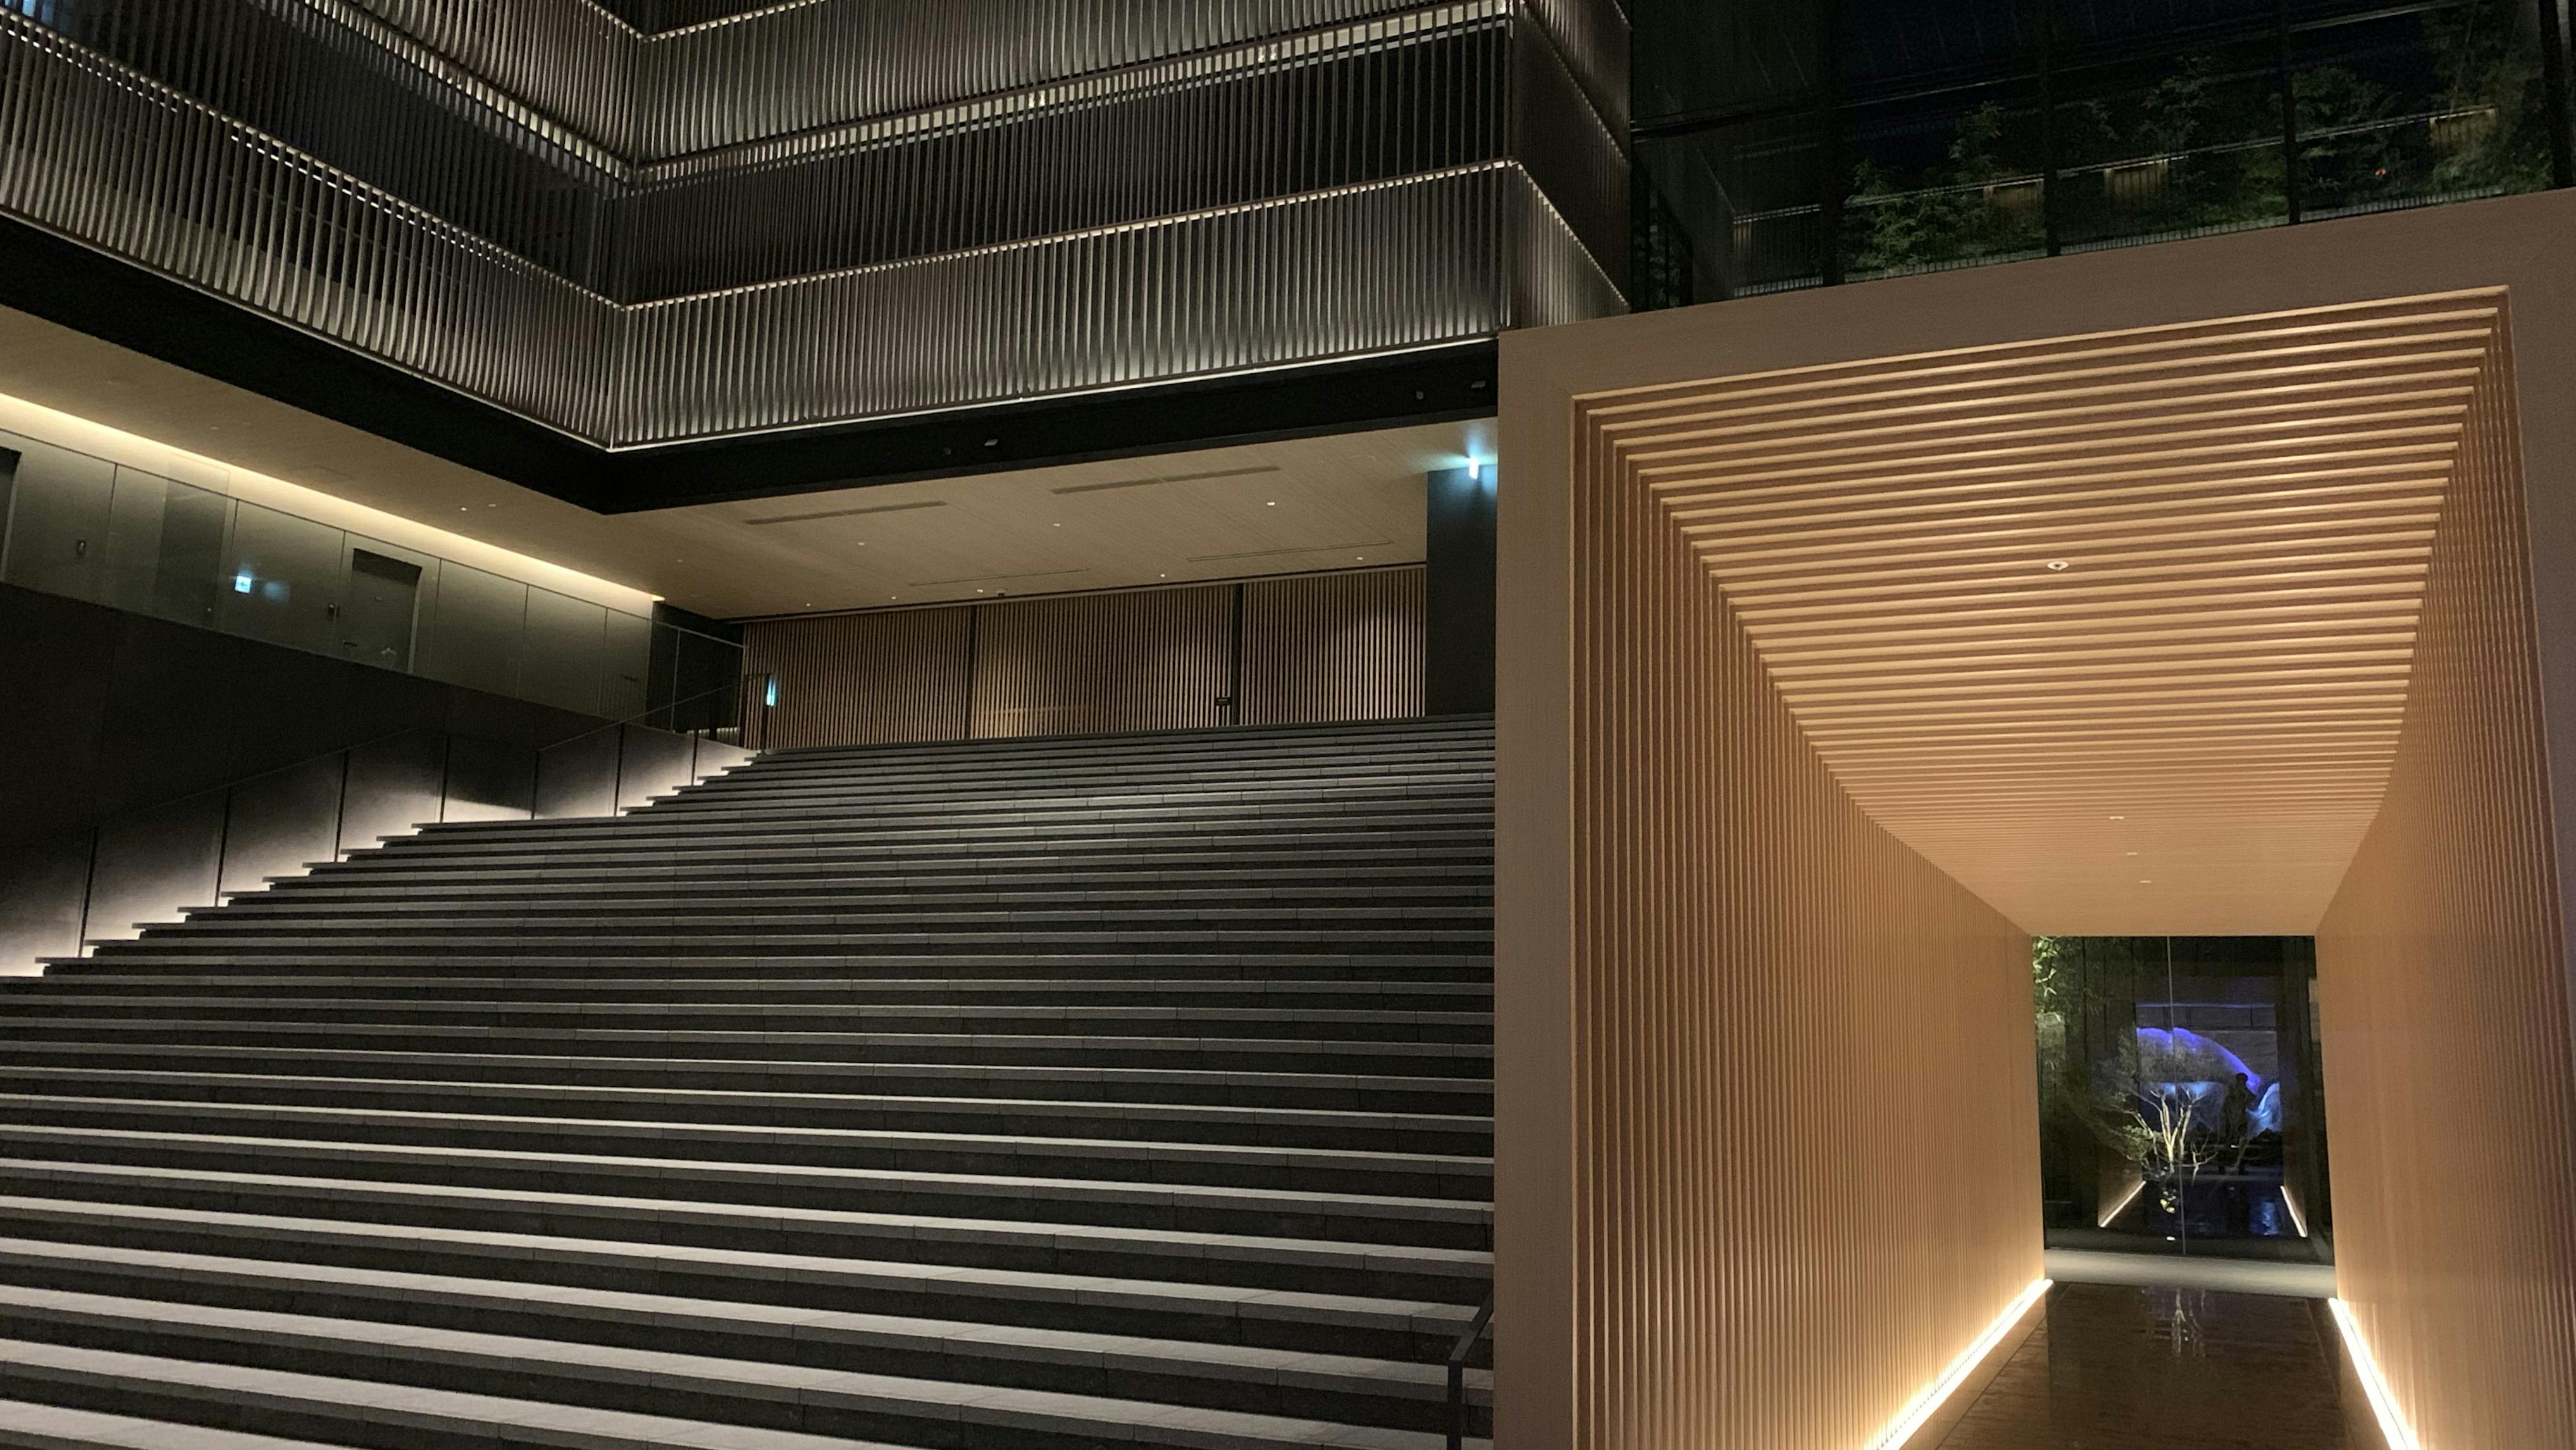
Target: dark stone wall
109 711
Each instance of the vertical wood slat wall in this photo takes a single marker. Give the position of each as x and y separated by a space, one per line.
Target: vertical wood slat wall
1322 647
848 679
1158 659
1805 1161
2441 970
1312 649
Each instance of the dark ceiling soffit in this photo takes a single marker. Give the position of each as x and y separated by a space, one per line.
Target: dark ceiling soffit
89 291
1431 386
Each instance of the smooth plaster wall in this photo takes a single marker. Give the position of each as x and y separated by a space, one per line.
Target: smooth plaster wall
2521 243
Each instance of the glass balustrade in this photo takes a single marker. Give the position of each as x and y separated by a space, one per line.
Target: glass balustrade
87 528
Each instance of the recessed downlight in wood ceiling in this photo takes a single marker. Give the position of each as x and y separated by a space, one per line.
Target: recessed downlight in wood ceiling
2114 629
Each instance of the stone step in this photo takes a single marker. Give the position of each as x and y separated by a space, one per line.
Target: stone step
1455 1134
64 1243
1372 1270
1202 1052
1282 994
1052 1094
1129 1160
396 1416
1319 1023
25 1426
1350 1092
1264 1212
384 1312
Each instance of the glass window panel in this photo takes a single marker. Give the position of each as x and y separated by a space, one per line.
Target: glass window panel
134 521
2180 1094
165 548
1906 40
475 635
1692 56
282 579
187 581
627 668
59 503
2170 146
565 641
1947 185
2407 110
1742 206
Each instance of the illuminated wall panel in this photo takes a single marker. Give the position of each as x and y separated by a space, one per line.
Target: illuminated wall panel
2443 969
1767 1151
864 679
1307 649
1332 647
2441 974
1151 659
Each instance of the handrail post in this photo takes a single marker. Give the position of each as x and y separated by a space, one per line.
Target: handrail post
1458 1356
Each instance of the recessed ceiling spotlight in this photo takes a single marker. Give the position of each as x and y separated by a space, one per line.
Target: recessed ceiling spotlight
2144 881
2128 853
2056 565
1270 503
2119 818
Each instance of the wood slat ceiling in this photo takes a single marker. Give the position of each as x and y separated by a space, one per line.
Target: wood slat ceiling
2114 629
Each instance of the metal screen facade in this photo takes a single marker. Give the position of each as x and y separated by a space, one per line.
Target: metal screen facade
834 211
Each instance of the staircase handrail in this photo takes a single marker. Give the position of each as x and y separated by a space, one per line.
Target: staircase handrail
667 705
100 819
1467 1342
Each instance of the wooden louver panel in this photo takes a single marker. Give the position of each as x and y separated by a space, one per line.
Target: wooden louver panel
1322 647
1153 659
2116 629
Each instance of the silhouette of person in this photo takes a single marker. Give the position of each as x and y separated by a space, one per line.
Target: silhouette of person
2236 1115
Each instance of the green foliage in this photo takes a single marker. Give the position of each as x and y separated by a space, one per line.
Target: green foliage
1972 205
2489 57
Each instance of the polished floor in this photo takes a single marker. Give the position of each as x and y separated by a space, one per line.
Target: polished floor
2121 1367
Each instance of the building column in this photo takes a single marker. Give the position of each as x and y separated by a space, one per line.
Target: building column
1458 591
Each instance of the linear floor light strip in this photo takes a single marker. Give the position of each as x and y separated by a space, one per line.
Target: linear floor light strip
2392 1425
1930 1401
2298 1215
2122 1206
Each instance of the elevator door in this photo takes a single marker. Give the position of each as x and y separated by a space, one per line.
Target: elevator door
376 620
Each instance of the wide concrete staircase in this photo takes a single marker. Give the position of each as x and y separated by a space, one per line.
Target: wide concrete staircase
1123 1092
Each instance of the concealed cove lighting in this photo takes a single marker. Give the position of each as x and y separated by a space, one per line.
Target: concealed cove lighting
1475 470
1920 1412
2121 1207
